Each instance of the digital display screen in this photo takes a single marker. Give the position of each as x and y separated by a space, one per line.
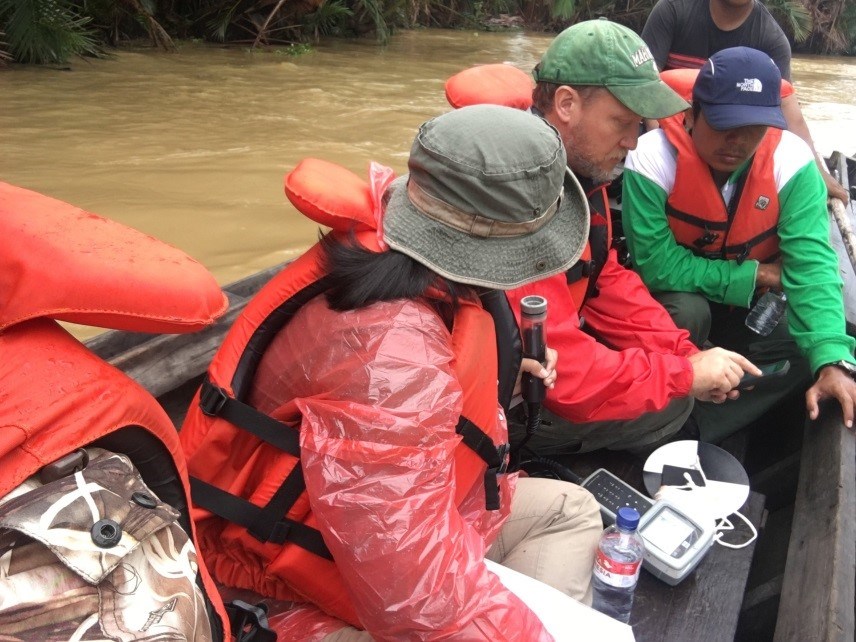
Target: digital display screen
670 532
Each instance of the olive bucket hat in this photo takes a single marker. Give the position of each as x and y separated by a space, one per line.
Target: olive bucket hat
488 200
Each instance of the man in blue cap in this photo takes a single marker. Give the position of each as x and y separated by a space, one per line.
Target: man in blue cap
725 205
682 34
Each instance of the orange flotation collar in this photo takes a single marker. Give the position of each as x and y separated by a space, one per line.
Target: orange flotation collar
497 84
62 262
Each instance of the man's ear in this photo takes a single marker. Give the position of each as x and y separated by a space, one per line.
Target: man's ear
567 105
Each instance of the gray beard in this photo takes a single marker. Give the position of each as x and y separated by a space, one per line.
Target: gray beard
584 167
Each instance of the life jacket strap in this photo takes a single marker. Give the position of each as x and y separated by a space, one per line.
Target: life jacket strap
496 458
591 269
239 511
214 402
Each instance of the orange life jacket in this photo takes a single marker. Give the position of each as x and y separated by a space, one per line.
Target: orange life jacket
496 84
62 262
58 397
253 516
698 216
582 276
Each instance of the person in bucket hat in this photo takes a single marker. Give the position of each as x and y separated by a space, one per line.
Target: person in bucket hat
726 205
634 375
495 212
391 376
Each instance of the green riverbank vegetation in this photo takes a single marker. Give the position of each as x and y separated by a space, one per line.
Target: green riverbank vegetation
52 31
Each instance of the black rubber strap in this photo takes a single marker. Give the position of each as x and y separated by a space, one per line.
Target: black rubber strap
494 456
239 511
214 402
249 623
701 223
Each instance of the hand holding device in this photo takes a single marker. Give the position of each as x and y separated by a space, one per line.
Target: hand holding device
716 372
769 371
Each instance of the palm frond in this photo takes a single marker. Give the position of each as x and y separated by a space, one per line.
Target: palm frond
374 10
793 16
328 18
563 9
5 56
46 31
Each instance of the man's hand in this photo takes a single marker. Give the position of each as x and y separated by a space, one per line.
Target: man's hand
835 189
833 382
769 275
546 372
716 373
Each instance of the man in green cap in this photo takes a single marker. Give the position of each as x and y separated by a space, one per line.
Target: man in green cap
627 376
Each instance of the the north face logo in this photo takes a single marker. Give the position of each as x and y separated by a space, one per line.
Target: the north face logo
750 84
641 56
762 203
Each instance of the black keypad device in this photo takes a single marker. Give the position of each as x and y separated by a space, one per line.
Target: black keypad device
613 493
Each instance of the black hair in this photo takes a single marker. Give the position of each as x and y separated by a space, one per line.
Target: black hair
696 109
544 93
361 277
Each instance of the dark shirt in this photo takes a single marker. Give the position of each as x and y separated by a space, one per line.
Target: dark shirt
681 34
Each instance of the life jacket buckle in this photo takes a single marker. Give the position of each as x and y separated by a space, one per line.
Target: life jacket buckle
212 399
744 254
705 239
503 451
66 465
249 623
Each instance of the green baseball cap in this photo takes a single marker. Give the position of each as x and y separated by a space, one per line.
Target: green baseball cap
606 54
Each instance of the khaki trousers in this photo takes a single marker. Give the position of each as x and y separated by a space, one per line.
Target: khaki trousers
551 535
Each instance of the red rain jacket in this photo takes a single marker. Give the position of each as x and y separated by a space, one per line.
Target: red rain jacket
380 402
637 364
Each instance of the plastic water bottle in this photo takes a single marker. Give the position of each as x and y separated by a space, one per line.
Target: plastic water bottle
617 565
767 312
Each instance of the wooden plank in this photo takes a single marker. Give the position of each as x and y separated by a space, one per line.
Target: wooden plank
251 284
167 361
109 344
161 363
819 587
760 594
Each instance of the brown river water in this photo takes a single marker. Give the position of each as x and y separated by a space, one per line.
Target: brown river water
192 147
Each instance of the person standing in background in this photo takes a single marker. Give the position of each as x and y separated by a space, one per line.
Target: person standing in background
685 33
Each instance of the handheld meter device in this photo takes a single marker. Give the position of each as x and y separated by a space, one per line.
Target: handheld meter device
675 541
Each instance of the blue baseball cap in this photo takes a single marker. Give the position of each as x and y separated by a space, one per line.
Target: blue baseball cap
740 86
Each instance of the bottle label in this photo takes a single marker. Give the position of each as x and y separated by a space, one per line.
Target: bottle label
617 574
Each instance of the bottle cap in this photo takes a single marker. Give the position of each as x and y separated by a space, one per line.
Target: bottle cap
533 305
628 518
